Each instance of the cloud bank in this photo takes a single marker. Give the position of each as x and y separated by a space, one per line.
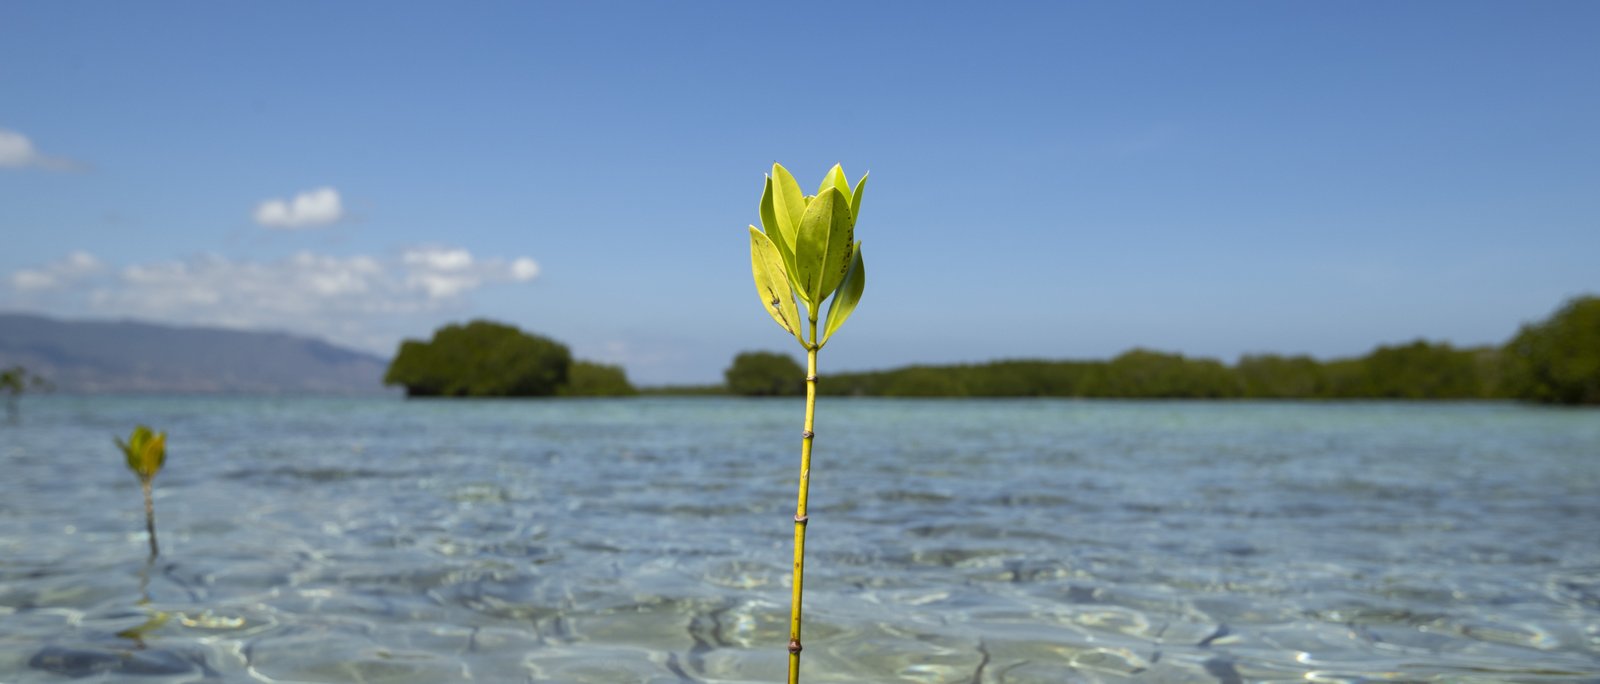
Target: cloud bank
17 151
72 269
309 209
368 302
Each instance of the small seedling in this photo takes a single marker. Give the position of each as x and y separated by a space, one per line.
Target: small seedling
146 452
14 382
809 251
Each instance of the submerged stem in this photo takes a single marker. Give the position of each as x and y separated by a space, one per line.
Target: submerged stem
800 517
150 517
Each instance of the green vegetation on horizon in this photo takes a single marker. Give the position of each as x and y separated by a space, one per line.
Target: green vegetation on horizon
765 374
1557 361
1418 370
1553 361
488 359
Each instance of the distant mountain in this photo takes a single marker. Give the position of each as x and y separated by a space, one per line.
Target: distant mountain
127 356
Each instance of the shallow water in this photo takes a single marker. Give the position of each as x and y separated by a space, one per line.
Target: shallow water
648 540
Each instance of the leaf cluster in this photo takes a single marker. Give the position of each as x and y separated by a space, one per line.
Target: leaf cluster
146 452
808 252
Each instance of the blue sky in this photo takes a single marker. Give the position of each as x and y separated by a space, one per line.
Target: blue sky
1058 180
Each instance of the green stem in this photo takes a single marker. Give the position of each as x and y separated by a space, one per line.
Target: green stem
150 517
800 517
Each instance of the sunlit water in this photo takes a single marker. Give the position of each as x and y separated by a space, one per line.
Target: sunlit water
950 541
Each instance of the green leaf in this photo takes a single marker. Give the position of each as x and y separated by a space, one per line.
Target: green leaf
772 283
855 200
775 229
847 296
841 244
781 231
156 452
822 250
835 179
788 204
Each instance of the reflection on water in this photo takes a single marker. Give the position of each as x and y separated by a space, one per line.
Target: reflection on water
647 541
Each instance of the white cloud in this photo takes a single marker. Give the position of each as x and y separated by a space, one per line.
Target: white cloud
57 274
437 259
524 269
364 301
443 273
17 151
308 209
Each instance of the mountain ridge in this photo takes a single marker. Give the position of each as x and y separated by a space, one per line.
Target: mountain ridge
90 356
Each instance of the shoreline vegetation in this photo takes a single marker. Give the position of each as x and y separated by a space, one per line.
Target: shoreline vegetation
1418 370
1554 361
488 359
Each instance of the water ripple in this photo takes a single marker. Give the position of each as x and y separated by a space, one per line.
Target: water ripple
648 541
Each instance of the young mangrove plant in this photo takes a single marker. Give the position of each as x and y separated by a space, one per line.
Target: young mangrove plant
146 452
807 251
15 381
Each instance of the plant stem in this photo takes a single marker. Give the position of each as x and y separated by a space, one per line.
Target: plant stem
800 517
150 517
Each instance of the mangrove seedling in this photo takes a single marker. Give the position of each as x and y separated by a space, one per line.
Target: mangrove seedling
807 251
146 452
15 381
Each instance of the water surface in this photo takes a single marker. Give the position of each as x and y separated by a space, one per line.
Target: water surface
648 540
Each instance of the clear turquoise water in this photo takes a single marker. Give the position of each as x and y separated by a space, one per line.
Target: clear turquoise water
648 540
